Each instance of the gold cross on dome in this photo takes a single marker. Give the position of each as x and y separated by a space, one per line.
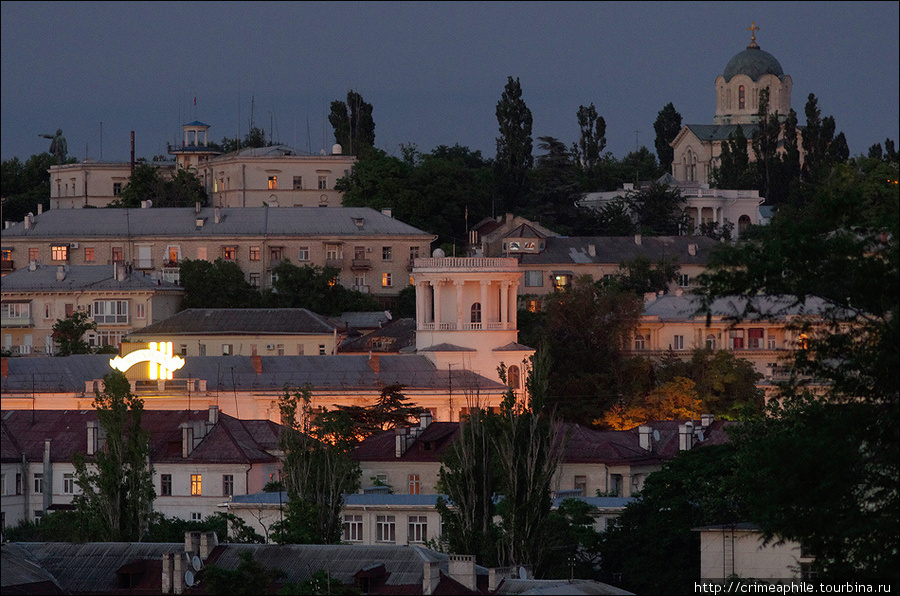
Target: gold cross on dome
753 29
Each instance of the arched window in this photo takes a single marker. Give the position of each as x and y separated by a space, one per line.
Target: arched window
743 223
741 98
711 341
476 312
512 377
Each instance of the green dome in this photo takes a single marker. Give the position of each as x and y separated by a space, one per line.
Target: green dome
754 63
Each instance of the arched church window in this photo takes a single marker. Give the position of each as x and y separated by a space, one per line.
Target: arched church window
741 98
512 377
476 312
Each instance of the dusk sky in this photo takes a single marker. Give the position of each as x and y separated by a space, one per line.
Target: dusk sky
433 71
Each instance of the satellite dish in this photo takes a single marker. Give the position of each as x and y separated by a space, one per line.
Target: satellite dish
189 578
523 573
196 563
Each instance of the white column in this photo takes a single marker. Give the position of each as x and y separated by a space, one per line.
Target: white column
420 304
514 304
437 303
504 303
459 303
485 313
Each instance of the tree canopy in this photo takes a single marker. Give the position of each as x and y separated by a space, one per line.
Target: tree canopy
354 127
182 190
514 146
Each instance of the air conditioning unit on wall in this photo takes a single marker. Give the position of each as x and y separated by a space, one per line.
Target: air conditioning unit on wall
270 346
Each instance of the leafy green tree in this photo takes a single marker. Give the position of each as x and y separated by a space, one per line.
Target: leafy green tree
24 186
637 166
653 549
315 288
641 276
555 190
528 452
764 142
840 249
613 219
352 122
68 334
589 149
734 170
318 471
667 127
117 483
587 325
390 410
219 284
658 210
183 190
514 146
572 543
249 577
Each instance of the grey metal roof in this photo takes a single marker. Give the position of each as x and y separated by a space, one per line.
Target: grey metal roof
720 132
91 567
563 251
236 373
754 63
513 347
364 320
80 277
685 307
557 586
174 222
445 347
240 320
19 568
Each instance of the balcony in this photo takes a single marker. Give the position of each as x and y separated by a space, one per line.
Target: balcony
361 264
362 289
336 263
7 265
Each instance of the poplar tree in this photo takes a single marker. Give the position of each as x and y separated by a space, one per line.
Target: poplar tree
514 145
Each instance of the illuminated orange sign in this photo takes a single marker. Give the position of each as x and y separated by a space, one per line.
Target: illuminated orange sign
159 357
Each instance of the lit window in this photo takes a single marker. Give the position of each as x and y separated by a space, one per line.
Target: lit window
229 253
386 280
561 281
165 485
254 253
227 485
89 254
418 528
273 182
533 305
353 528
414 484
196 485
385 528
803 341
60 252
69 484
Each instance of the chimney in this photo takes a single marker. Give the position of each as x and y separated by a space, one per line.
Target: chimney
48 476
431 576
592 250
32 265
649 297
187 439
496 575
387 211
692 249
217 214
29 221
179 567
685 436
256 362
40 208
213 414
60 272
373 362
4 367
191 543
92 437
168 572
400 440
637 239
208 541
706 420
644 437
462 569
197 208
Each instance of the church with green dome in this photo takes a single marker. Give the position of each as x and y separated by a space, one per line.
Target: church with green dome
698 146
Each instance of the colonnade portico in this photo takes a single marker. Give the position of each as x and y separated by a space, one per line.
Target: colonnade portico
496 302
